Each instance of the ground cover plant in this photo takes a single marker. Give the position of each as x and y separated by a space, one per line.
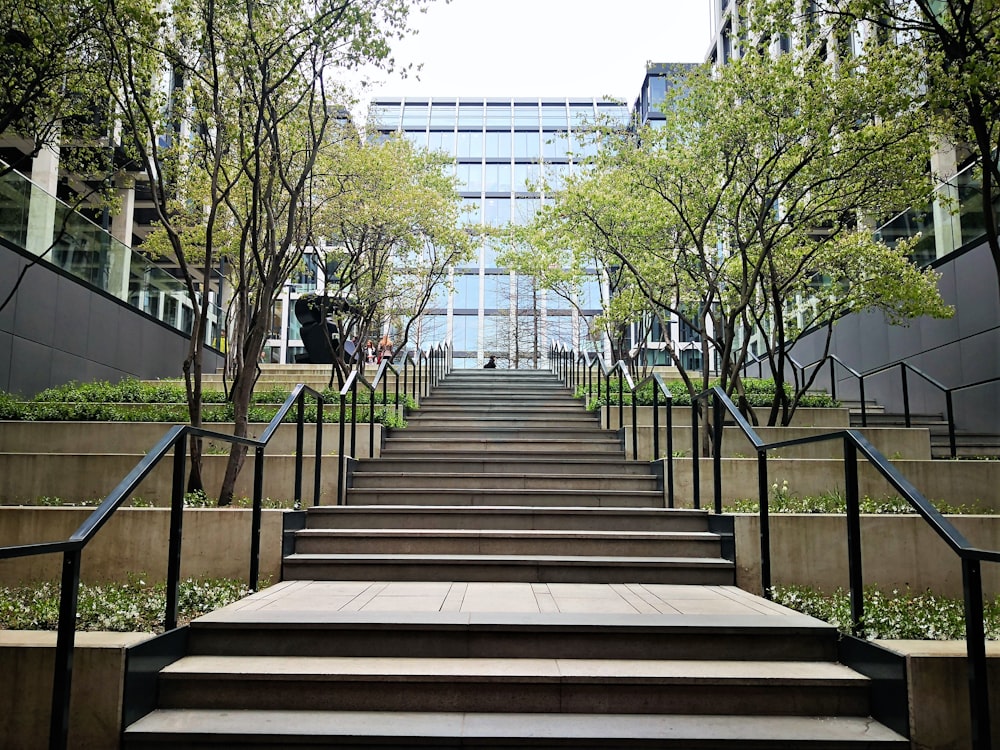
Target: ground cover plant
134 401
133 606
903 615
759 393
783 501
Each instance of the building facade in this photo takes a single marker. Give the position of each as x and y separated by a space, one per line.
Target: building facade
509 156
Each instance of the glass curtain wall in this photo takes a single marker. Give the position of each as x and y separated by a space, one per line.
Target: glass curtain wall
509 156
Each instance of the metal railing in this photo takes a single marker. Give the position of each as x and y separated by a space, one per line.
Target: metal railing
428 370
905 368
576 369
176 438
854 443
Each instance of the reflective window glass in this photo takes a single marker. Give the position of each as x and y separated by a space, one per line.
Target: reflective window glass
466 332
590 294
433 328
470 178
526 178
525 209
497 178
554 115
470 115
470 211
441 141
384 116
526 145
466 294
498 145
556 145
496 211
416 137
415 116
579 115
497 294
555 177
498 115
526 115
469 145
442 114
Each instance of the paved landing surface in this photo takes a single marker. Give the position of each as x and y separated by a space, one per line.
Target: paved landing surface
372 597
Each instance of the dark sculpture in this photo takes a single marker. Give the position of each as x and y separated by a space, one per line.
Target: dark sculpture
319 335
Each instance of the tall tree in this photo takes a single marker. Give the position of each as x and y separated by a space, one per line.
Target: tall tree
745 194
956 43
391 218
227 105
50 73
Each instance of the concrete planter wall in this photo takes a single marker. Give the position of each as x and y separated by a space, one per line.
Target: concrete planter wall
86 460
898 552
134 541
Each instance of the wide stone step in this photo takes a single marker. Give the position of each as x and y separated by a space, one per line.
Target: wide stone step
492 420
482 496
193 729
493 433
499 463
508 517
438 445
502 541
517 568
507 481
520 685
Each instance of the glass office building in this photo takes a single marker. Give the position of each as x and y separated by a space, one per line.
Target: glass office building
505 151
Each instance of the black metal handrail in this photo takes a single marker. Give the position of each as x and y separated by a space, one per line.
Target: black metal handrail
659 387
566 363
176 438
854 443
438 359
343 459
904 368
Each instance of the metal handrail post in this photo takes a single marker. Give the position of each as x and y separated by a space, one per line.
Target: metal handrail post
354 419
765 524
340 450
670 451
717 451
695 464
62 678
176 532
656 422
635 427
975 644
864 407
318 468
950 407
857 593
299 444
833 381
258 499
906 394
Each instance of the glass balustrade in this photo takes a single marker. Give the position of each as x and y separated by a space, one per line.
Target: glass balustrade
32 219
950 218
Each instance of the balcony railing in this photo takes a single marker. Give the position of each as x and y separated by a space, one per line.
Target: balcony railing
41 225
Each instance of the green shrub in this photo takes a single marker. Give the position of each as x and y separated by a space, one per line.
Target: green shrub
893 615
125 607
782 501
759 392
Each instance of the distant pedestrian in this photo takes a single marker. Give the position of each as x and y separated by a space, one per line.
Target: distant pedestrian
491 365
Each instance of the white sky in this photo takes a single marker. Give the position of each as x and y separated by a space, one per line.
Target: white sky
546 47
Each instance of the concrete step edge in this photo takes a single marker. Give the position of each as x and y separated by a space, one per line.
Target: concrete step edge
174 725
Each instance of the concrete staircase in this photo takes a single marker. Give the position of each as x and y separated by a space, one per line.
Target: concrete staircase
502 577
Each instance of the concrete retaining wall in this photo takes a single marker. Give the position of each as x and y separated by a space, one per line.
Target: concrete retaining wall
138 437
134 541
834 418
26 659
898 552
893 442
